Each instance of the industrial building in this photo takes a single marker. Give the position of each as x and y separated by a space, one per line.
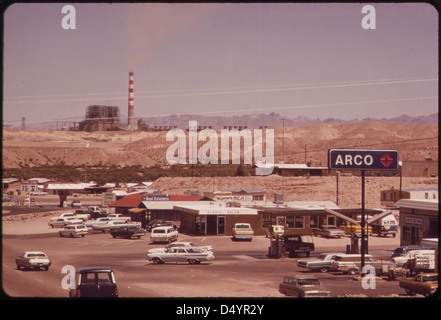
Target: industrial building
100 118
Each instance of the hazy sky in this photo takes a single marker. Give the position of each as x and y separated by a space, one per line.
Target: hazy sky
313 60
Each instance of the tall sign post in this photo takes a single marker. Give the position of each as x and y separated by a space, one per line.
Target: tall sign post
373 160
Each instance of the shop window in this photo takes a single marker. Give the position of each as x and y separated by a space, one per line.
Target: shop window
295 222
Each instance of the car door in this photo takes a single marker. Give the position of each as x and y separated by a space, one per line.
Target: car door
88 285
181 255
170 255
106 285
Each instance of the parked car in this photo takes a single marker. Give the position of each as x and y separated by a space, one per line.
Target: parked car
76 204
180 244
63 222
351 263
164 234
127 232
159 223
6 197
78 214
118 216
275 230
97 222
94 283
424 283
329 231
322 263
242 231
192 255
33 259
74 230
303 287
350 228
114 224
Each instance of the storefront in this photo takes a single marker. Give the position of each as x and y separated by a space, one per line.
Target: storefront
418 220
215 219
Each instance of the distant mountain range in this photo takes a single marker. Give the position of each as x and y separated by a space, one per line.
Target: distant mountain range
274 119
251 121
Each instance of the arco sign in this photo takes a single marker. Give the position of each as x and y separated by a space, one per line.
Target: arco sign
349 159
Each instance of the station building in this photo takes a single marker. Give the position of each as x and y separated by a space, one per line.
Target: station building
418 220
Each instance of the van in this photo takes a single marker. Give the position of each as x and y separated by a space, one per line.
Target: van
351 263
74 230
164 234
385 226
411 254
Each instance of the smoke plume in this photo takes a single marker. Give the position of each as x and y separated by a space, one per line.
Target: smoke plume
148 25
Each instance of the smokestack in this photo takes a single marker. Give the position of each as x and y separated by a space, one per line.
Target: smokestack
131 116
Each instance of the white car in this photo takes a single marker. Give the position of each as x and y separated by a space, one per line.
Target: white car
114 224
63 222
74 230
191 255
99 221
33 259
164 234
180 244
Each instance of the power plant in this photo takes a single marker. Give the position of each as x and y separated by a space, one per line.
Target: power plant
105 118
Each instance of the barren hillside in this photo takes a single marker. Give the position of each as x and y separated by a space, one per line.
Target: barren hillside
293 144
299 188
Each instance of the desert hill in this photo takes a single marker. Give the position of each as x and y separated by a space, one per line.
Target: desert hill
293 144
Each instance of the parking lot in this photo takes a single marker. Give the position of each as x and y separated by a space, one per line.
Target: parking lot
240 269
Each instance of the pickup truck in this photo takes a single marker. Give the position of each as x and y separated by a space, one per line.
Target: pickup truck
350 228
242 231
82 216
424 283
294 244
33 259
127 232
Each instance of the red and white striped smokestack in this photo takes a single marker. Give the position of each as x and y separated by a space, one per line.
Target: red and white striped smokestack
131 115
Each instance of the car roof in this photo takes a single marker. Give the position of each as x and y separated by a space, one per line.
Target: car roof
34 252
95 269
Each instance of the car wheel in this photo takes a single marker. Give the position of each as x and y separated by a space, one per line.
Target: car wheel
193 261
352 271
324 269
157 261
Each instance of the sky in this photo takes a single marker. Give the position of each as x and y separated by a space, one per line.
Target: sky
296 59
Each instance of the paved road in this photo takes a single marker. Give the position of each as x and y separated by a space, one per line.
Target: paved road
240 269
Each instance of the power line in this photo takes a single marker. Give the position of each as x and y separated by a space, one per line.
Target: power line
217 91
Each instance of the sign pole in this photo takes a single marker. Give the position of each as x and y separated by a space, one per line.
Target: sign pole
363 220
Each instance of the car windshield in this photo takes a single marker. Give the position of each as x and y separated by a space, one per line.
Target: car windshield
36 255
430 278
308 282
158 231
243 226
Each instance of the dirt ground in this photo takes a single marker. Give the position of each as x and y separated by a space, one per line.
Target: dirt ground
291 144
